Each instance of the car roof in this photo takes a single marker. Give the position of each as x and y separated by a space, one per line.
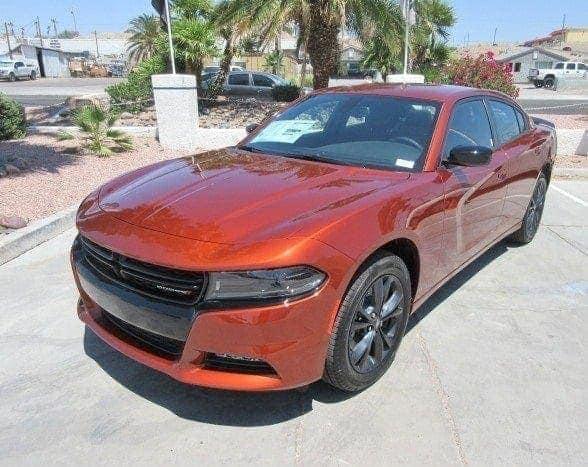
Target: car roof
433 92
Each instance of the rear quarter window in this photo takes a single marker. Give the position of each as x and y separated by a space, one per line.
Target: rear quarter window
505 119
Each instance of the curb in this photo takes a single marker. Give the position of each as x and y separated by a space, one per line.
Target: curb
564 172
54 129
20 241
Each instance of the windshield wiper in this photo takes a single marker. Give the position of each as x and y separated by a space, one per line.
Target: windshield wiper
249 148
314 157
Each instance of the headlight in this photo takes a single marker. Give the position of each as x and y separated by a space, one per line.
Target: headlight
266 284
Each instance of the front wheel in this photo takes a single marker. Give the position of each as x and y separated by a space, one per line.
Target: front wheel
548 83
370 325
538 83
534 212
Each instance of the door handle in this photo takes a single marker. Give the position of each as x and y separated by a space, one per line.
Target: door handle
501 175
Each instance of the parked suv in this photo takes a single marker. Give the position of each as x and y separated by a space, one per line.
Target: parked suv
248 83
13 70
545 77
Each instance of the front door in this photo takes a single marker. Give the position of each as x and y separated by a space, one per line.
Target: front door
474 196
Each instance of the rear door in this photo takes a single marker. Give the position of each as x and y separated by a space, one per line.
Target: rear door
570 70
517 145
474 196
239 84
262 84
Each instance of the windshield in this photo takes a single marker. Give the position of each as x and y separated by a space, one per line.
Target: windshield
352 129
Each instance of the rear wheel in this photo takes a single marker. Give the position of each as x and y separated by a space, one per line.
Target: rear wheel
538 83
370 325
534 212
33 75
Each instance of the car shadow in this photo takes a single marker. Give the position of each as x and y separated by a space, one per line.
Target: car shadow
242 408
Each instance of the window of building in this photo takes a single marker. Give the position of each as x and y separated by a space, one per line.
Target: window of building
517 67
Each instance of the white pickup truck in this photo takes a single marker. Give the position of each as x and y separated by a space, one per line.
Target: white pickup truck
14 69
545 77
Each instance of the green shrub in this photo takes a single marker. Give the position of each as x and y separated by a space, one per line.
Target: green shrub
286 92
135 93
12 119
481 72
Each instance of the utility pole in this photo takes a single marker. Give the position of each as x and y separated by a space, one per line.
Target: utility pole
22 33
73 13
8 40
39 33
96 39
494 39
563 26
406 9
54 21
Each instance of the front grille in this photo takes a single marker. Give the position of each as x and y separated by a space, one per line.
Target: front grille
173 285
165 346
237 364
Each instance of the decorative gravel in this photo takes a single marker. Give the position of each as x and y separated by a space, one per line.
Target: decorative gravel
55 176
568 122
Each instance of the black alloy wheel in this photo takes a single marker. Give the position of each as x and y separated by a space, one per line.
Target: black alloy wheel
370 324
534 213
375 327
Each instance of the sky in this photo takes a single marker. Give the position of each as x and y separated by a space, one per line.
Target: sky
516 20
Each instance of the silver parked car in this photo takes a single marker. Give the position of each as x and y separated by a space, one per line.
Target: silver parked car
247 83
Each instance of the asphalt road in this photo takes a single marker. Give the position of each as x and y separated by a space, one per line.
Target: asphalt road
493 371
50 91
552 106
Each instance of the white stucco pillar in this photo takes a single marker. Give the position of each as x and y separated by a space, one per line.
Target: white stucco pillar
408 78
176 107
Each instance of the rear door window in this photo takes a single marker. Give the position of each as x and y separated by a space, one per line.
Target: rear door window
469 127
506 121
239 79
571 66
559 66
262 81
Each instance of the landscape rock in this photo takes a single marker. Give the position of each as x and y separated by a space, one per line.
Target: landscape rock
126 115
11 170
21 163
3 172
12 222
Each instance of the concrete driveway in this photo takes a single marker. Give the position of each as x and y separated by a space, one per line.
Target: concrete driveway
494 370
51 91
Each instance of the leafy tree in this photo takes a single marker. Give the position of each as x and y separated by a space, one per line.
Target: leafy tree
321 20
481 72
195 40
67 34
274 62
145 33
99 136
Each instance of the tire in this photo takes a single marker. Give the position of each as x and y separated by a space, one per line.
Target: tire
365 339
538 83
33 75
548 83
12 77
533 214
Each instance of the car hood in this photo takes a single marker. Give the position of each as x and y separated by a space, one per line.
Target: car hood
233 196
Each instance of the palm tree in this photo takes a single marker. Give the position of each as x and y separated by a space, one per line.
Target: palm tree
145 31
325 18
431 31
99 136
195 40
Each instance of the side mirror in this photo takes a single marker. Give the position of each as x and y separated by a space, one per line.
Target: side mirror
470 156
251 127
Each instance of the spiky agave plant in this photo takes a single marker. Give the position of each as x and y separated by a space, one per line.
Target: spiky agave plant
96 126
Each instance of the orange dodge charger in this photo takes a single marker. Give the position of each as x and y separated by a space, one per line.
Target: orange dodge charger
300 253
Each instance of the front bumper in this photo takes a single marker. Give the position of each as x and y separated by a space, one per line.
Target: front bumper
291 338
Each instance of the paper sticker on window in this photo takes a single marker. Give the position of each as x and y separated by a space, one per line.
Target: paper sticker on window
404 163
286 131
